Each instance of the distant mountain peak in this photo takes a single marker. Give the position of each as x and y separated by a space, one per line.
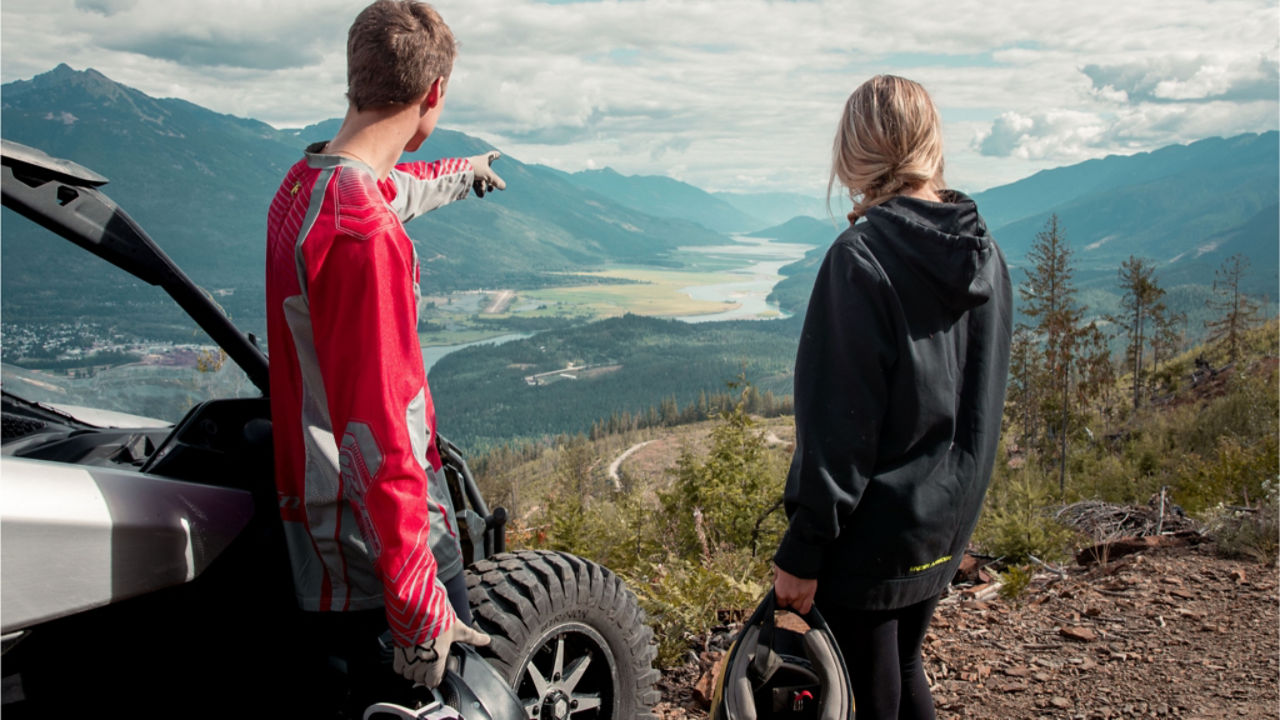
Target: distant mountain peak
64 74
64 92
67 86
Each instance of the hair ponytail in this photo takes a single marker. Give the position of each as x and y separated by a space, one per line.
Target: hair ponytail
889 140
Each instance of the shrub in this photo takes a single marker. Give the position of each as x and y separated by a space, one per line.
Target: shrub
1015 580
1247 411
569 523
1235 473
1249 532
689 552
683 597
1017 519
732 496
1102 474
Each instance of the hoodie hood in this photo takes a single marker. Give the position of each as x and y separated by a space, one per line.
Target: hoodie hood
945 243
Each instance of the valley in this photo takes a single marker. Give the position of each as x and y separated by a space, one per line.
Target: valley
724 282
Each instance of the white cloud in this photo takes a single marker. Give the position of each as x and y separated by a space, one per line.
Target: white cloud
1053 135
1181 77
1143 103
728 94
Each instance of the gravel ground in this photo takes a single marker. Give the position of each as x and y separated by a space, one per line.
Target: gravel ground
1169 633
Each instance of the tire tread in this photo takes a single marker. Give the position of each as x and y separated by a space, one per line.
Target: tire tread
513 594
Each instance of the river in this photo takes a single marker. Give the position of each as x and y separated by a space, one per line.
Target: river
431 354
762 258
759 258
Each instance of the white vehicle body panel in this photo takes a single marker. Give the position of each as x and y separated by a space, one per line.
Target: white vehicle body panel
74 538
55 542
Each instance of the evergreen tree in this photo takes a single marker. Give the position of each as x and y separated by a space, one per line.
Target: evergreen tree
577 483
1048 297
669 411
1169 337
1239 312
1097 374
729 498
1020 399
768 404
1141 305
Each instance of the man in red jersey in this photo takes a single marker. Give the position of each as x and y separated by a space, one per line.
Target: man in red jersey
366 512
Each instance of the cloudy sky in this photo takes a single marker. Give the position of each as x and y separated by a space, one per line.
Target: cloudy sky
725 94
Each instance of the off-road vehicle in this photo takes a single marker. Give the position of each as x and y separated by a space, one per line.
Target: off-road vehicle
143 565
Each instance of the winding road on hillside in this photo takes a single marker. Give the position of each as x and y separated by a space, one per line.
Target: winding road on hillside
617 463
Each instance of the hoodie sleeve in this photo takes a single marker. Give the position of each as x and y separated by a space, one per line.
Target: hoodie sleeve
841 393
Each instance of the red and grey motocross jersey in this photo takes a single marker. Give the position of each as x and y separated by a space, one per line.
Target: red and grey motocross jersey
366 511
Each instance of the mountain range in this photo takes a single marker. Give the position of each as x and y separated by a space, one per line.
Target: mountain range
200 181
666 197
1186 208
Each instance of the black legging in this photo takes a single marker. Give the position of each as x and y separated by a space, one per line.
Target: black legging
882 650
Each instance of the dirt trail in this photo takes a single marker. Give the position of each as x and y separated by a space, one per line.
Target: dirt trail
617 463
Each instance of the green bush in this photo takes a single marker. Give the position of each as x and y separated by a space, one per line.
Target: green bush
1017 519
1252 532
1247 411
1014 582
1171 376
683 597
570 526
731 497
1099 474
1236 473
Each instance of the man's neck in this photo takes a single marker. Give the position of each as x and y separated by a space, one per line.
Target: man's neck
375 137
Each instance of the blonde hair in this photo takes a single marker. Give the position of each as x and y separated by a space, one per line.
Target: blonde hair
889 140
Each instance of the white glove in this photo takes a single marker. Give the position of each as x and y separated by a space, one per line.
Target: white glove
424 663
485 178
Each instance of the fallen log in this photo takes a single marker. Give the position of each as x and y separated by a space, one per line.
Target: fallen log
1109 550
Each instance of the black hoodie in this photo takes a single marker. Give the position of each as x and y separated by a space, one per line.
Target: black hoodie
899 389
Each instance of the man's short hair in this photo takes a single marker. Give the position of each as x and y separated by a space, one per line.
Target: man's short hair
395 50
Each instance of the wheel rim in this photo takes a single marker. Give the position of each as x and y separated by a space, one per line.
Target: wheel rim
569 675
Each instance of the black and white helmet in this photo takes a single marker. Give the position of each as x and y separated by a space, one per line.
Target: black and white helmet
471 690
772 673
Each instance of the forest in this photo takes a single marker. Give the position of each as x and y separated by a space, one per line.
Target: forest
642 365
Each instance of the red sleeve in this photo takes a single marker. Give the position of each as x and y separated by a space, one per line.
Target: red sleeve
364 315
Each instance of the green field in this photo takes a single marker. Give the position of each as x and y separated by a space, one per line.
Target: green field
463 317
653 292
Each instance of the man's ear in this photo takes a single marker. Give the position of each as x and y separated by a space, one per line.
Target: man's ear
435 94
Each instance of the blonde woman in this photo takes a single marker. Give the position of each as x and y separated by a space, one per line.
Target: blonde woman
899 387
